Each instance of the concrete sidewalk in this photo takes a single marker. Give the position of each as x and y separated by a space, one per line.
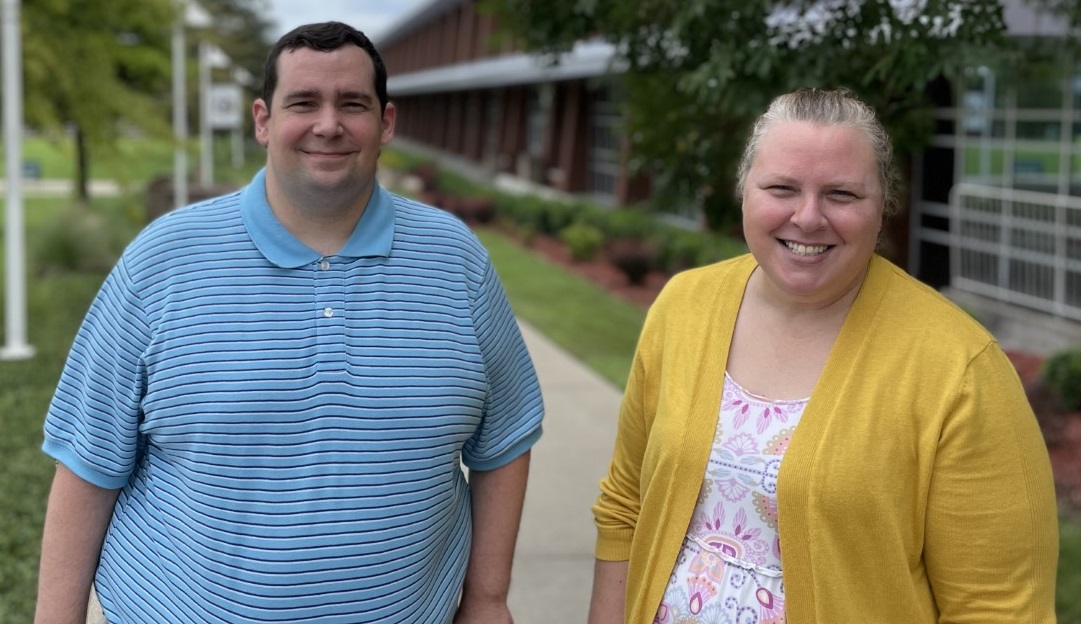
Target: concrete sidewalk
48 187
553 566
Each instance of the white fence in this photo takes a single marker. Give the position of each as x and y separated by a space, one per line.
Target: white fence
1017 246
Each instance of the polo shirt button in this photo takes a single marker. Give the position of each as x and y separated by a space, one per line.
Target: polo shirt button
324 265
328 312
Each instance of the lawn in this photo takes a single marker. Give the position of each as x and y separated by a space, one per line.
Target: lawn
582 318
596 327
131 160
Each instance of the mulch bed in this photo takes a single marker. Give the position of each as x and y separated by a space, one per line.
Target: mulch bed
1061 428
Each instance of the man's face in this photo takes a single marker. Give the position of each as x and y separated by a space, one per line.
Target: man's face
324 129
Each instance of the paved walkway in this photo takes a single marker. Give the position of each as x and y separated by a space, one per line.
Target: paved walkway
553 567
62 188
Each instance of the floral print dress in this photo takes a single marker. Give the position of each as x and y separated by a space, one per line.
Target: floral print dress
729 568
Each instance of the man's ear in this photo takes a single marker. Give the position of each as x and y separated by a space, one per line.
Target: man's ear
260 112
390 115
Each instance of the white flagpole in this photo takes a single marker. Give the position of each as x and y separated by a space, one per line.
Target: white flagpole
15 346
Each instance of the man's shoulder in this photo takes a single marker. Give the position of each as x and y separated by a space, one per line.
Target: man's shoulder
207 215
421 224
208 224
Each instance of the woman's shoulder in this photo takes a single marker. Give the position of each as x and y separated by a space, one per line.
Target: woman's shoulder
726 275
921 312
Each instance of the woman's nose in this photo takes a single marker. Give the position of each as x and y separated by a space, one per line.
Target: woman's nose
808 214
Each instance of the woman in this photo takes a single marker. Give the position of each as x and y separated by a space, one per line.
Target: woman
809 434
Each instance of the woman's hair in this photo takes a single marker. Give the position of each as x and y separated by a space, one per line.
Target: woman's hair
837 107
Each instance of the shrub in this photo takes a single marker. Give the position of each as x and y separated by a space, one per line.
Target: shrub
556 216
629 223
679 250
1062 375
83 238
582 239
477 208
635 257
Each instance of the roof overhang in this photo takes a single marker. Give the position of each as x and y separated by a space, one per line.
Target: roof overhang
586 60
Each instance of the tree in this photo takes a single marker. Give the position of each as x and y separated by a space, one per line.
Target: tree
101 69
699 71
242 31
98 69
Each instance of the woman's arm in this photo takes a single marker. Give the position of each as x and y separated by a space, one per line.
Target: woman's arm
609 592
991 542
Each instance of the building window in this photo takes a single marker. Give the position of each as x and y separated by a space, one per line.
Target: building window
605 150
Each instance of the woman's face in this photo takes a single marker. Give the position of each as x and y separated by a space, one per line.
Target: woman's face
812 210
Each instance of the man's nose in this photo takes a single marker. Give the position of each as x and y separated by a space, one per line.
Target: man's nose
328 122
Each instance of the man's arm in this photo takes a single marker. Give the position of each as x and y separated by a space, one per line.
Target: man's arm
609 592
75 523
497 511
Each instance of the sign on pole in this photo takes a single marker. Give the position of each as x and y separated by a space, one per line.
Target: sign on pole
226 106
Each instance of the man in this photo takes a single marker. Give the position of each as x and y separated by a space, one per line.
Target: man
264 415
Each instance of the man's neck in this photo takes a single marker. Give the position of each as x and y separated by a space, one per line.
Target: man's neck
322 223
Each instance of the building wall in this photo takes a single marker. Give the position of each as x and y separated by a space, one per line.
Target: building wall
995 129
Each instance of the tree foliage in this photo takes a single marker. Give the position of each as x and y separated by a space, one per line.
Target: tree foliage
96 69
242 30
699 71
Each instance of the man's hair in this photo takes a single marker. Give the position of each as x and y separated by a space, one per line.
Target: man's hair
323 37
839 107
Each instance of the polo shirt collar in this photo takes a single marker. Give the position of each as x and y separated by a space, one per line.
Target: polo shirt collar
372 236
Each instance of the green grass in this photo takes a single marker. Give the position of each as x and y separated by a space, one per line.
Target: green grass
1068 596
56 304
1048 161
132 160
598 328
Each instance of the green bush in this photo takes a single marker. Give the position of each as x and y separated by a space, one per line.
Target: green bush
679 249
670 247
629 223
634 257
1062 374
556 216
82 239
582 239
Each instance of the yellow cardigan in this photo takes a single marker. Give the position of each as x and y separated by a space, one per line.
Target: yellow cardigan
916 488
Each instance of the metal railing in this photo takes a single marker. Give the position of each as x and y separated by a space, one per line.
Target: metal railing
1021 247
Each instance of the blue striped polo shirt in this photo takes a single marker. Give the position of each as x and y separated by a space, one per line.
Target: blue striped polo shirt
287 429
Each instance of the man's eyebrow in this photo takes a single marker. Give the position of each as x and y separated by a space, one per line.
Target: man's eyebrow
355 95
301 94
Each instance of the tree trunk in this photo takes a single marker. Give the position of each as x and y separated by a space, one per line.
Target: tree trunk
82 167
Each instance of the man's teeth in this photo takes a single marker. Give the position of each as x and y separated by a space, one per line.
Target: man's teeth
805 250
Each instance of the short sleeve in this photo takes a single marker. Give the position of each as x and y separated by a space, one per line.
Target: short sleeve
93 420
513 407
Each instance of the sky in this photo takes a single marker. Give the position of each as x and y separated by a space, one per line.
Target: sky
370 16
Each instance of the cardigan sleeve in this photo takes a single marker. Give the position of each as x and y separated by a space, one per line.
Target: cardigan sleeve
616 510
991 544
